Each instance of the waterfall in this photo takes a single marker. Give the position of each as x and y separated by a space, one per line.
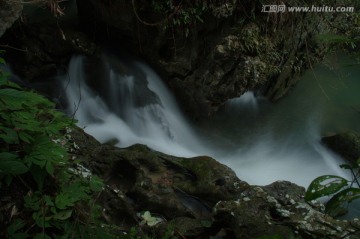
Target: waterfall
261 142
135 108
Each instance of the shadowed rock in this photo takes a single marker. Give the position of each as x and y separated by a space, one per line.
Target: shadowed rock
199 197
347 145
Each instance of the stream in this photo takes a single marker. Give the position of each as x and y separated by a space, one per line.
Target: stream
261 141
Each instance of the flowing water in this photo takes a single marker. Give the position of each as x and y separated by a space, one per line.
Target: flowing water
136 108
261 141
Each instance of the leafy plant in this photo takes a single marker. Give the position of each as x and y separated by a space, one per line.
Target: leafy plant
180 16
340 190
270 237
48 195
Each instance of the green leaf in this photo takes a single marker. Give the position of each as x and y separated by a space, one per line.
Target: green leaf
48 201
96 183
340 199
199 18
25 137
325 186
41 220
63 201
150 220
333 38
32 202
63 215
39 175
50 168
71 194
346 166
42 236
9 135
13 230
13 98
206 223
11 164
10 83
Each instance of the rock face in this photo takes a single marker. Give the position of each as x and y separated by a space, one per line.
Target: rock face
346 145
43 51
234 48
199 197
237 47
10 11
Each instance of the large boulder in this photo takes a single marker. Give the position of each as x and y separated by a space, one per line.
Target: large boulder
278 211
198 197
346 145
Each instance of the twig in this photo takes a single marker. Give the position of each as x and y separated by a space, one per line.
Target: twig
14 48
25 184
61 31
355 178
155 23
66 86
78 104
312 70
142 21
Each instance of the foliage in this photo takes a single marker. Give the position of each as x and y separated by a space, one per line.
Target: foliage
344 30
270 237
56 199
340 190
180 15
291 236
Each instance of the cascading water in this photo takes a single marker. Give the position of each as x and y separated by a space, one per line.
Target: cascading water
132 110
260 141
265 145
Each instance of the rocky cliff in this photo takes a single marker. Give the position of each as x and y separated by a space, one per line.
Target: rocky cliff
233 49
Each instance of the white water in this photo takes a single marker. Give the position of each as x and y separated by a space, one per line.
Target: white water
158 124
271 144
259 142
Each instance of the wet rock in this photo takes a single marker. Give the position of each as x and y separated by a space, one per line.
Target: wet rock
199 197
262 211
188 227
227 54
40 51
347 145
167 185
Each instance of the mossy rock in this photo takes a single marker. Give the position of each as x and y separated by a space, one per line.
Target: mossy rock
347 145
